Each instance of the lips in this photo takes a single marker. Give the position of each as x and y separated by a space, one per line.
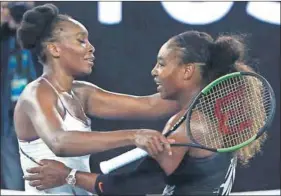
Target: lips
157 82
159 86
90 60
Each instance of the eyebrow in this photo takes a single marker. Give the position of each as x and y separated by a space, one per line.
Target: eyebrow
82 33
160 58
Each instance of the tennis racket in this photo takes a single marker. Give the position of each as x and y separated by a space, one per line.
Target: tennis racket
228 114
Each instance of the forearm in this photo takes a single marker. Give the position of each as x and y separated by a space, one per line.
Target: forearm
115 184
131 183
86 181
109 105
77 143
158 108
121 184
154 107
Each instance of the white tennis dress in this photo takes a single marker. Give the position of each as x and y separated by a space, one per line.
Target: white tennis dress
38 150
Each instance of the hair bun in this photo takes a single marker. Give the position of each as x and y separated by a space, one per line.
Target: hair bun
34 24
225 51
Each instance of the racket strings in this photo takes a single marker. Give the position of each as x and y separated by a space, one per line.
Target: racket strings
229 106
249 111
231 113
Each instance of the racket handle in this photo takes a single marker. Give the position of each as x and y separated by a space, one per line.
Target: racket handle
122 160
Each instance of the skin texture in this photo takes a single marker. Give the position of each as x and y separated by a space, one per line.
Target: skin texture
176 81
39 112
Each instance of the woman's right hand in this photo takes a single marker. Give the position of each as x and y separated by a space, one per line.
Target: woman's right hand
153 142
49 174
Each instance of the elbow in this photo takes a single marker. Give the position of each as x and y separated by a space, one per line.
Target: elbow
57 150
57 147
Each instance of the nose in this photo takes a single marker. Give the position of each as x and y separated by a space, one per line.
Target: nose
154 71
91 48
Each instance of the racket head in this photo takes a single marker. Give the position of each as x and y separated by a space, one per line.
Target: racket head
231 112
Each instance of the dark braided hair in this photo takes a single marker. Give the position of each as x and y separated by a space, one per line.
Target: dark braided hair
40 25
217 57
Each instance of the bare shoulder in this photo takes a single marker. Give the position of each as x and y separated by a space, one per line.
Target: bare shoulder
180 133
84 89
171 122
79 85
37 91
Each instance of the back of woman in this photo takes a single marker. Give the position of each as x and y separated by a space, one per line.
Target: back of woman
213 175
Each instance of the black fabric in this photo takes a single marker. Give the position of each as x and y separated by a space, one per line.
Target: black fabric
201 176
129 183
194 176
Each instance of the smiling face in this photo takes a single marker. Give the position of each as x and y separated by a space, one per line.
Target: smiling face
73 51
168 73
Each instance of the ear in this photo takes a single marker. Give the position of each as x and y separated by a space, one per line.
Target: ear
54 49
188 70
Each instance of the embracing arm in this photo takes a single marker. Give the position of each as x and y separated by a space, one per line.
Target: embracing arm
41 108
169 163
53 174
109 105
118 183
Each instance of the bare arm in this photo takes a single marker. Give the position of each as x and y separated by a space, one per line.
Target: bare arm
86 181
109 105
55 174
40 106
170 162
167 162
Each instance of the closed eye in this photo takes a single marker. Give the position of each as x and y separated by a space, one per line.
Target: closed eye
81 41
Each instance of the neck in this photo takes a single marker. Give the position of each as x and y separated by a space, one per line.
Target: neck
186 97
59 78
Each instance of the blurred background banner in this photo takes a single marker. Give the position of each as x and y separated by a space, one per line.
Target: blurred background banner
128 35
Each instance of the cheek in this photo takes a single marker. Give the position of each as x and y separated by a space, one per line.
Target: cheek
171 79
72 55
172 84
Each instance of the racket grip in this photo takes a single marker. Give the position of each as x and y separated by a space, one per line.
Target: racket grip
122 160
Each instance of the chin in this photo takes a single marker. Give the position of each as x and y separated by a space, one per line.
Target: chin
83 73
163 95
88 72
167 96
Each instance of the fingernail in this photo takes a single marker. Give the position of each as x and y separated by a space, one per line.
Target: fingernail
170 153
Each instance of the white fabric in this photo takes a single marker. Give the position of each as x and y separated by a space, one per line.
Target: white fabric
38 150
